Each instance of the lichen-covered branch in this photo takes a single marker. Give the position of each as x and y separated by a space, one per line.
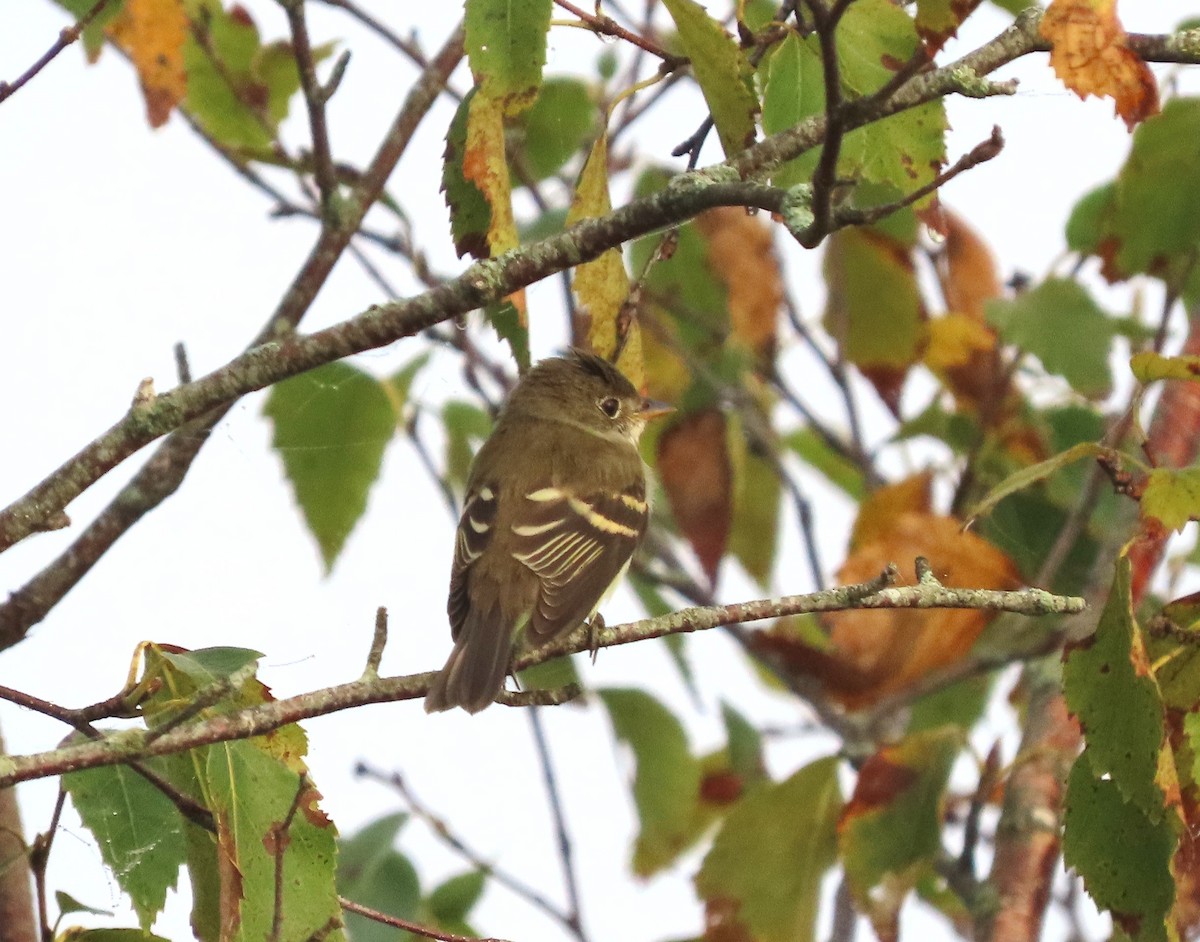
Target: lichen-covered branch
490 280
129 745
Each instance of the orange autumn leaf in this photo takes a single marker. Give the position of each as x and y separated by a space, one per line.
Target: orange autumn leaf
1091 57
872 654
694 467
890 650
966 269
741 253
879 512
152 32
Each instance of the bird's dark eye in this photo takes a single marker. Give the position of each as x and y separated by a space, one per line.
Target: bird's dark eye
610 406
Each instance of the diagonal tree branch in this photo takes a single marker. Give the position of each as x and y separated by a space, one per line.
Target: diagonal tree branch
164 472
492 279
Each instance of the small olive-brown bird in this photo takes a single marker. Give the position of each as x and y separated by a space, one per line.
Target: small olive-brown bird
555 506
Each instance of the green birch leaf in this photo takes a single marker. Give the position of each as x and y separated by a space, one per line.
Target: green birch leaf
506 46
332 425
452 901
268 818
1029 476
138 830
1172 496
1122 854
512 328
906 150
874 306
772 852
372 872
794 89
666 785
93 36
1060 324
69 904
1155 215
722 71
754 535
1086 224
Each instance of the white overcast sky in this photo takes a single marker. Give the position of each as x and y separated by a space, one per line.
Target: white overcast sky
121 241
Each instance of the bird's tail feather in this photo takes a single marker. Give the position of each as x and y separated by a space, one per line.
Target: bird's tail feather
475 671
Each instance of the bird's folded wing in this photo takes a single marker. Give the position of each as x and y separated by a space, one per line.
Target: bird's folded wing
577 546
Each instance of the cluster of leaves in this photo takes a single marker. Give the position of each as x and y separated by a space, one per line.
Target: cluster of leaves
208 61
700 326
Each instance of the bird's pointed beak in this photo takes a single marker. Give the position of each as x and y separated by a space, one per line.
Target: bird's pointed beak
653 409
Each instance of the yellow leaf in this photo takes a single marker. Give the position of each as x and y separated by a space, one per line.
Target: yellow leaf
890 650
1089 54
602 285
152 32
954 340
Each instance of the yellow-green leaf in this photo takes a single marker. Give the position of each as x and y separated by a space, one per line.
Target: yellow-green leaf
1148 366
1172 496
506 46
721 68
602 285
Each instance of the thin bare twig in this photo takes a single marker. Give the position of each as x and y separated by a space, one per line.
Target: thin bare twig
442 830
566 853
408 925
66 37
315 97
607 26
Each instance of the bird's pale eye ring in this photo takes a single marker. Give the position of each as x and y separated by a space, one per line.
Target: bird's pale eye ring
610 406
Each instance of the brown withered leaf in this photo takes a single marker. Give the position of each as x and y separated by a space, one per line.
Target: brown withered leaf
741 253
1091 57
721 922
872 654
693 465
895 648
152 32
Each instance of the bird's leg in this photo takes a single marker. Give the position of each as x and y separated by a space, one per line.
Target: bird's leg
595 625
